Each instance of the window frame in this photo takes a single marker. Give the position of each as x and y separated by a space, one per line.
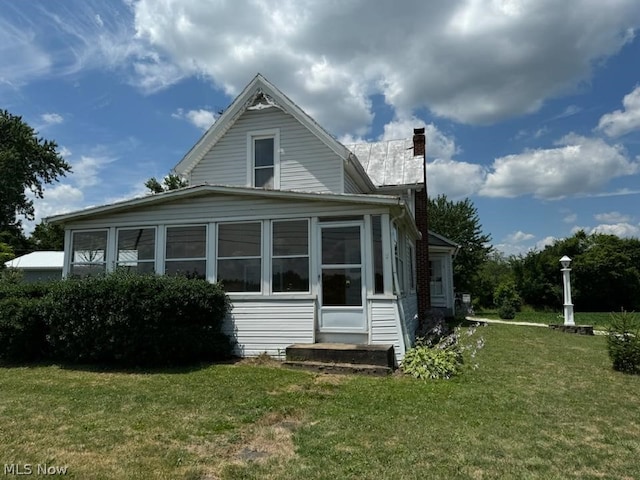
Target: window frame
185 259
273 256
251 257
104 262
411 266
251 164
432 264
153 261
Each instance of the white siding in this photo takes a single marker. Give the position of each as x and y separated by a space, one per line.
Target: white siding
350 185
306 163
270 326
212 207
385 325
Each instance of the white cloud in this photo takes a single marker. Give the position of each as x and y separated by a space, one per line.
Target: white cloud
612 217
570 218
201 118
619 229
519 237
579 165
454 179
52 118
439 145
469 61
545 242
85 172
57 199
624 121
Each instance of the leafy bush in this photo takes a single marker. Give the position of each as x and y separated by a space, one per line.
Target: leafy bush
22 327
507 293
623 342
438 355
137 320
507 311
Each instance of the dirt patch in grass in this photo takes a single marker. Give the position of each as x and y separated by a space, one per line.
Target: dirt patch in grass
268 440
264 359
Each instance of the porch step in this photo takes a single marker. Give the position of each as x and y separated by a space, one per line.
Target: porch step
341 368
342 354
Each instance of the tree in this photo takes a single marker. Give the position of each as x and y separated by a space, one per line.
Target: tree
47 237
496 270
170 182
459 222
26 163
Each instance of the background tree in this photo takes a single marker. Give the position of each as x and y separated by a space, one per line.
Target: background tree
47 237
496 270
459 222
170 182
26 163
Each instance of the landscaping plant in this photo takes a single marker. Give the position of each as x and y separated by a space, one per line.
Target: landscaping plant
623 342
441 353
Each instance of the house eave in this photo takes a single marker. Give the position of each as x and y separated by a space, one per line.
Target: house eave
187 192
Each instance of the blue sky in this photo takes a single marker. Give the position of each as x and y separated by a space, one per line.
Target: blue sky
532 108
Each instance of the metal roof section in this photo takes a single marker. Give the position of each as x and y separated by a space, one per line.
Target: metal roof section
390 162
44 260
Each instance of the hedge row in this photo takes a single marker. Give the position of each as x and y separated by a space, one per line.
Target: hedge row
121 318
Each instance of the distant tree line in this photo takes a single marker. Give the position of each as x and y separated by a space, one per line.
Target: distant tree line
605 274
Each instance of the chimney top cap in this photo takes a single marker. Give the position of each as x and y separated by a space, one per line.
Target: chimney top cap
418 131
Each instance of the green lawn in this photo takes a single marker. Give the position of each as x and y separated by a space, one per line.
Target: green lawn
599 320
542 404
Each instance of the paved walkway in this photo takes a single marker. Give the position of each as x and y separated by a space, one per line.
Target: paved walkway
526 324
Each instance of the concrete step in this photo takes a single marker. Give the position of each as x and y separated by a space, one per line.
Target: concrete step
340 368
342 353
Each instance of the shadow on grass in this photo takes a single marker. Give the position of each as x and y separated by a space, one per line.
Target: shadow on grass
124 369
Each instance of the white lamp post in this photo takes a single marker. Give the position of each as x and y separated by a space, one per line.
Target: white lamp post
568 306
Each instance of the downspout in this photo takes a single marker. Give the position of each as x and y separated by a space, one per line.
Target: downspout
396 282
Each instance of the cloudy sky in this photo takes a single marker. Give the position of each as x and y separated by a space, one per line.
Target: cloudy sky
532 107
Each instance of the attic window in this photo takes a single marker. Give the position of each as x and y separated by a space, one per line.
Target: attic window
263 159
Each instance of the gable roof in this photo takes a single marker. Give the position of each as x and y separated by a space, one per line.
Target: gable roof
260 93
44 260
390 162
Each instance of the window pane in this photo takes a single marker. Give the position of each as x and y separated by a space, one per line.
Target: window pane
87 270
186 242
291 274
89 247
341 286
341 246
263 152
144 268
290 238
239 239
241 275
187 268
134 245
263 177
376 225
437 287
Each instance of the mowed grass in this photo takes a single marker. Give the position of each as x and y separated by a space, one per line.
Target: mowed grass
599 320
541 404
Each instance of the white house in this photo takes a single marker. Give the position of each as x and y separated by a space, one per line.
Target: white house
314 241
38 266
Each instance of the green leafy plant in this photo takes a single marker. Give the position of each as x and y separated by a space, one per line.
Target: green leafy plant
441 355
507 311
623 342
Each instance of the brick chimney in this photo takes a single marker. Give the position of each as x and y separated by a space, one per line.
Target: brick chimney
423 280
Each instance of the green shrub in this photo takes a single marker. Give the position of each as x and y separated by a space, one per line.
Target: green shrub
507 293
139 320
507 311
623 342
22 329
439 354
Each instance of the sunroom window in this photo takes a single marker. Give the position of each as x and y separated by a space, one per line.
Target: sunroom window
239 256
186 251
88 255
137 250
290 257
